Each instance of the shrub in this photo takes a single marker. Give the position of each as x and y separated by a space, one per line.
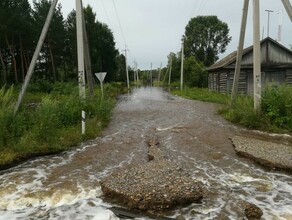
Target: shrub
277 105
242 112
53 124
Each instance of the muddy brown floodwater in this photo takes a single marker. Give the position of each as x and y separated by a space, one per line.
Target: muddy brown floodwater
191 134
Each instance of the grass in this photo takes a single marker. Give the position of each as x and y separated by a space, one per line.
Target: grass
53 123
202 94
275 114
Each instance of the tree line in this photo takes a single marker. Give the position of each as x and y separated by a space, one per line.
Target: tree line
204 39
20 28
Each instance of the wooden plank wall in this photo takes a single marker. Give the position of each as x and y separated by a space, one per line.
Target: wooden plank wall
289 77
223 82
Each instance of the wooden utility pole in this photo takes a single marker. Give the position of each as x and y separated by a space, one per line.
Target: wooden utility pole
256 54
87 59
35 55
239 51
182 65
127 70
80 48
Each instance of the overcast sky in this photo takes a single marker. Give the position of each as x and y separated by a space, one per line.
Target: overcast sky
152 29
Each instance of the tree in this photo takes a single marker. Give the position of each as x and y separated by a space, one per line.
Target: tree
52 51
121 66
205 38
175 60
103 51
15 37
195 73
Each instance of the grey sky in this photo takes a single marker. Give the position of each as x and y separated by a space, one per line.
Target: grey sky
153 28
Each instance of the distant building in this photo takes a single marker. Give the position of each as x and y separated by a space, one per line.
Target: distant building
276 67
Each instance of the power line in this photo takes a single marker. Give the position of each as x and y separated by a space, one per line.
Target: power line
119 22
121 29
105 11
203 5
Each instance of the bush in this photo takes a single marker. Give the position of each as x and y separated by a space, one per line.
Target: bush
242 112
277 105
40 86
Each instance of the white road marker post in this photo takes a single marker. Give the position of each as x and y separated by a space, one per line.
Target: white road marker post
101 77
83 117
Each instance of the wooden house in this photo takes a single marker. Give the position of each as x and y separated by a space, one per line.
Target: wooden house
276 67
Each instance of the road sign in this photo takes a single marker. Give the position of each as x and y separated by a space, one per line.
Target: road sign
100 76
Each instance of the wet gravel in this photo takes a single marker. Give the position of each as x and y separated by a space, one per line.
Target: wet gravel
271 154
155 185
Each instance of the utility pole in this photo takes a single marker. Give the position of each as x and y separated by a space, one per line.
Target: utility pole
80 48
288 8
159 75
256 54
280 26
87 58
35 55
134 73
137 72
268 31
182 64
170 69
151 75
239 51
127 70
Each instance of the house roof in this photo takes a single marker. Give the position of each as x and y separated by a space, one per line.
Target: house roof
231 58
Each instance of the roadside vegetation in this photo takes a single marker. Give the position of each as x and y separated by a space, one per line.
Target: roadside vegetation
49 121
275 114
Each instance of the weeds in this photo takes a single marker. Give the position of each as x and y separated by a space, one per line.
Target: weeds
53 124
203 94
275 113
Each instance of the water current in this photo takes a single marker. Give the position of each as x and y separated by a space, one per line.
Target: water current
66 186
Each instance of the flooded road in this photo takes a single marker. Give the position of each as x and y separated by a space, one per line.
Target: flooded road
190 133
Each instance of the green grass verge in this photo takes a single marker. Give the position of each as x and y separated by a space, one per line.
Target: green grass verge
53 123
202 94
275 114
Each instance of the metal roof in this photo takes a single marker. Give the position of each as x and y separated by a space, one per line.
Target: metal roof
231 58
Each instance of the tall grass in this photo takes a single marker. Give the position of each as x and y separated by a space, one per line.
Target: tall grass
202 94
277 106
242 112
275 113
51 125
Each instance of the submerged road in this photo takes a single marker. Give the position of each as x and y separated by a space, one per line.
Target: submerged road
191 134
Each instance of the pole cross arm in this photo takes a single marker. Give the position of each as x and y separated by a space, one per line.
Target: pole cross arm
288 8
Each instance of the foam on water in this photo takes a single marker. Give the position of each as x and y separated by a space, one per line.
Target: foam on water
29 192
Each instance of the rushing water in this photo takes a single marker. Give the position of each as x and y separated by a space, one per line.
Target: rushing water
190 133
